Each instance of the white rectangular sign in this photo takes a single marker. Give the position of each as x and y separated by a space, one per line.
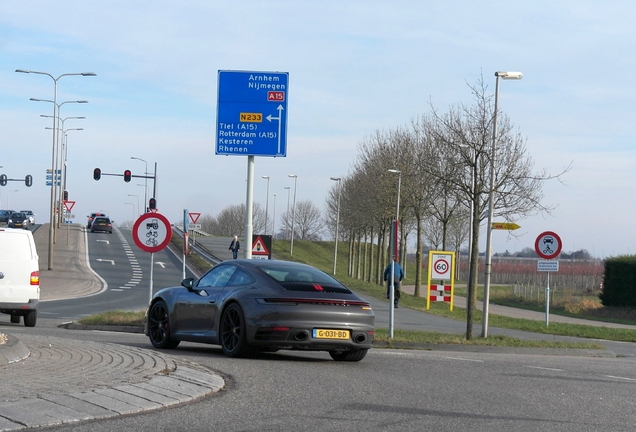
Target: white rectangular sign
547 266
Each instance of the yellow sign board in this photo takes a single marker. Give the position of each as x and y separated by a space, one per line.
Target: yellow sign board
510 226
251 117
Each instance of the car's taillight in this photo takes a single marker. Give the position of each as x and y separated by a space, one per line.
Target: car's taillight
35 278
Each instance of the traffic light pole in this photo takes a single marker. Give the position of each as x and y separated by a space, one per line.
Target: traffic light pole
128 175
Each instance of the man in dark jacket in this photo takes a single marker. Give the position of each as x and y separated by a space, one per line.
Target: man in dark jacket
398 275
235 246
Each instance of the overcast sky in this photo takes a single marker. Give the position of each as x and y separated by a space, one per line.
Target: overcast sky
354 67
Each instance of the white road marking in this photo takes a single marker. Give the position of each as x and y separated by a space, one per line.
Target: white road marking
544 368
106 260
621 378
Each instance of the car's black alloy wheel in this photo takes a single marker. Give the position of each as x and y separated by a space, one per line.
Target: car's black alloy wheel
233 333
159 327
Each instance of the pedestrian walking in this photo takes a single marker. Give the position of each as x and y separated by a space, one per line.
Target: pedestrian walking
398 275
235 246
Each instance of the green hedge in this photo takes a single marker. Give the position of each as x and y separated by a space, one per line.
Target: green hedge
619 282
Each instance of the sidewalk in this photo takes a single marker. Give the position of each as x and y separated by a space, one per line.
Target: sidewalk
511 312
48 381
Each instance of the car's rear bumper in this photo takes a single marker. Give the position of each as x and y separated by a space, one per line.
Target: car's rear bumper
19 308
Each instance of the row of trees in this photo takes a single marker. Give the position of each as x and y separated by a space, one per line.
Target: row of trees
308 222
440 163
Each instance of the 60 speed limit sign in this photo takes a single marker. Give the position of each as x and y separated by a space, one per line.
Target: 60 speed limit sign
441 266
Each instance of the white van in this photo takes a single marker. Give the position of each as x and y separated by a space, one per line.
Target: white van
19 276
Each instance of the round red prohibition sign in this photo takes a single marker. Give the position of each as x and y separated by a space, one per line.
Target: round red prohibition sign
440 266
152 232
548 245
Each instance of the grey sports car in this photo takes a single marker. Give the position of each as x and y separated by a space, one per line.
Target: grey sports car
250 305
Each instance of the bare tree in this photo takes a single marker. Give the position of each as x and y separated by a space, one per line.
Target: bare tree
231 221
308 224
466 132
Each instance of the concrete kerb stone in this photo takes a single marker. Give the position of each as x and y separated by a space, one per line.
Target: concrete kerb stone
157 392
12 350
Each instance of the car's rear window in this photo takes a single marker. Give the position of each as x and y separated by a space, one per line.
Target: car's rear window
284 273
15 247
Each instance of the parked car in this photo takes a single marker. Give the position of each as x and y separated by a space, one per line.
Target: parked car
19 276
92 216
250 305
29 215
4 215
103 224
18 220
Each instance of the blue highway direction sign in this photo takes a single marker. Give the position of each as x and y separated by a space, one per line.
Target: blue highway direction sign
252 113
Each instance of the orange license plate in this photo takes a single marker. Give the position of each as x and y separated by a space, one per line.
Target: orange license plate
331 334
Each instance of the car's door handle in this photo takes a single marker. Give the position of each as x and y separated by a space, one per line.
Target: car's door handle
211 301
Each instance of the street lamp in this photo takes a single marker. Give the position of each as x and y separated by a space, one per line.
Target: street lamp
137 196
491 204
266 204
395 256
287 224
146 180
291 244
8 192
61 163
335 249
55 114
133 211
58 156
274 219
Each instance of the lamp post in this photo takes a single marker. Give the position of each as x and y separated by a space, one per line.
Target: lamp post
8 192
61 163
274 219
291 244
491 204
335 248
287 224
395 256
266 204
62 156
58 158
55 114
137 196
146 180
133 210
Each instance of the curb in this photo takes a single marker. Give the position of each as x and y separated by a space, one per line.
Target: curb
13 350
582 352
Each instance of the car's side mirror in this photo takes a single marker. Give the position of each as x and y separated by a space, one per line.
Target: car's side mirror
188 283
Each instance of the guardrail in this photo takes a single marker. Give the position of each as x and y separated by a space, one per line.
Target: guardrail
199 249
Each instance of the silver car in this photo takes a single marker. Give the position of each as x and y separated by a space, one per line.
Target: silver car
30 215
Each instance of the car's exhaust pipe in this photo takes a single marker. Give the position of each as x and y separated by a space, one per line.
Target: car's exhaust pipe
360 338
301 336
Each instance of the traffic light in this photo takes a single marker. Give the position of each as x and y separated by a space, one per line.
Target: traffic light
28 180
127 176
97 173
65 195
3 179
152 203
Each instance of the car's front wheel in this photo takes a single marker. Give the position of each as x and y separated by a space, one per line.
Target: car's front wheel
349 356
233 333
159 327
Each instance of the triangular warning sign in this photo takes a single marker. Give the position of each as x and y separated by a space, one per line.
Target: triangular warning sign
258 248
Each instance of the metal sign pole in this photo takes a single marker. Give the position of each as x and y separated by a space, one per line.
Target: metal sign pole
152 266
547 302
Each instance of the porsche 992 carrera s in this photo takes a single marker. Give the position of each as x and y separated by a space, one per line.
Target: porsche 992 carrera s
250 305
